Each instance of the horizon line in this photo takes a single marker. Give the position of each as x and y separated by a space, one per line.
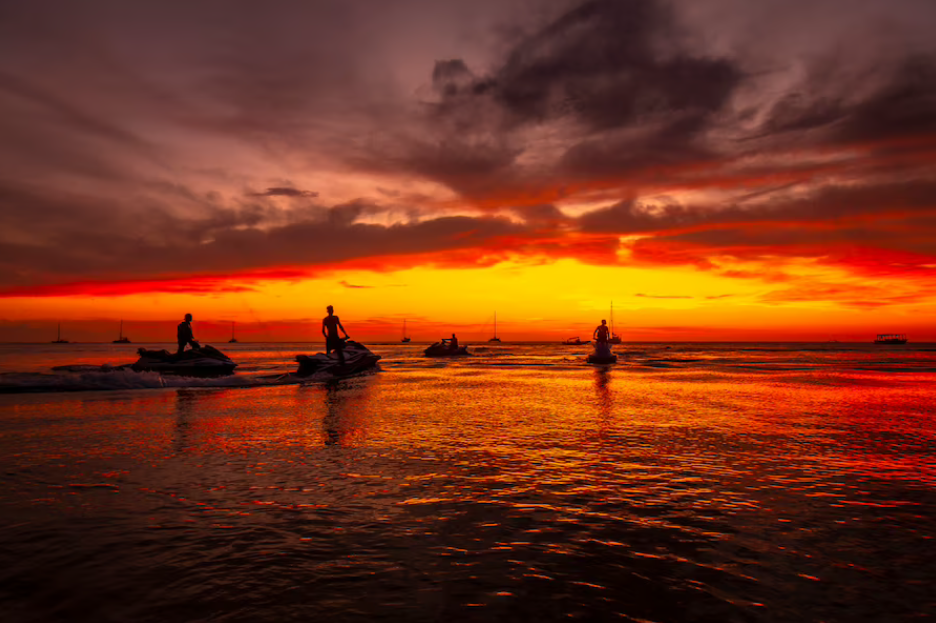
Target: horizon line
485 342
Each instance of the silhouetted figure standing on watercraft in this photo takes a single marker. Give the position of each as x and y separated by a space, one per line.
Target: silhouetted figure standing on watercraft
602 333
330 326
452 343
602 337
184 334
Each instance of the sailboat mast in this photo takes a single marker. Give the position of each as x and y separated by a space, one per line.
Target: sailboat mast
495 324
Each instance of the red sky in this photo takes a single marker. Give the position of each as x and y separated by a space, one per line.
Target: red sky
719 169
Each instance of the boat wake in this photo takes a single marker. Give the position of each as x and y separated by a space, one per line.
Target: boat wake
97 379
270 366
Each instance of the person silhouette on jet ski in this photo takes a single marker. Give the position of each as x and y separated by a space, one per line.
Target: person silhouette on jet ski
452 343
602 333
332 340
185 335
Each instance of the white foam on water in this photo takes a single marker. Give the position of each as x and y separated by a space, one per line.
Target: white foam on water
112 380
80 381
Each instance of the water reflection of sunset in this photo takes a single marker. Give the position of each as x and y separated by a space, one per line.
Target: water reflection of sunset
651 303
515 473
745 190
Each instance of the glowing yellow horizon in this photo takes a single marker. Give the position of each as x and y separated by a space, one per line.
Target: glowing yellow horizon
533 300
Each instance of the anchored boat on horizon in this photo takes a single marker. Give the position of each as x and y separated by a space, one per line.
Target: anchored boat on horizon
890 338
495 338
59 340
615 338
121 339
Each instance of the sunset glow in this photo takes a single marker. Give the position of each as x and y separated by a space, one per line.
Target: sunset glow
468 310
712 188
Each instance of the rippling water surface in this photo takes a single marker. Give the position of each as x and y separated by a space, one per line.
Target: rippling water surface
686 483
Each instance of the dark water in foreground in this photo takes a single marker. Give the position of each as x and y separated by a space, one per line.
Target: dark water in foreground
689 483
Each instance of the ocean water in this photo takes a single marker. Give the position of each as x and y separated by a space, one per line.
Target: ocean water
688 482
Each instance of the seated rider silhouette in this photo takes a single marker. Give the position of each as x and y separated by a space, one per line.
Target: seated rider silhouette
602 333
330 326
184 334
452 343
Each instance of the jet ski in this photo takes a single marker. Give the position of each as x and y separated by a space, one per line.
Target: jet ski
357 358
202 361
440 349
602 354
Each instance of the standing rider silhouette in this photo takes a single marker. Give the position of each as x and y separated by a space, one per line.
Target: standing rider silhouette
184 334
330 326
602 333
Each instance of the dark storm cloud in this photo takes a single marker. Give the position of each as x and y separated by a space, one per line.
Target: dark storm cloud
829 203
622 156
469 164
883 229
88 221
284 192
609 63
148 90
608 66
449 78
894 101
630 217
222 240
45 131
646 98
541 215
65 111
904 106
125 155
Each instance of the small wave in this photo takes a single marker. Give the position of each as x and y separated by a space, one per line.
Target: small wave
89 368
89 380
97 379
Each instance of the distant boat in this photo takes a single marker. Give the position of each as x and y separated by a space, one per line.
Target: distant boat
59 339
615 338
574 341
122 339
406 338
495 338
890 338
233 339
444 349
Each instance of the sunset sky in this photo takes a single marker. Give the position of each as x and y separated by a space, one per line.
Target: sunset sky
719 169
